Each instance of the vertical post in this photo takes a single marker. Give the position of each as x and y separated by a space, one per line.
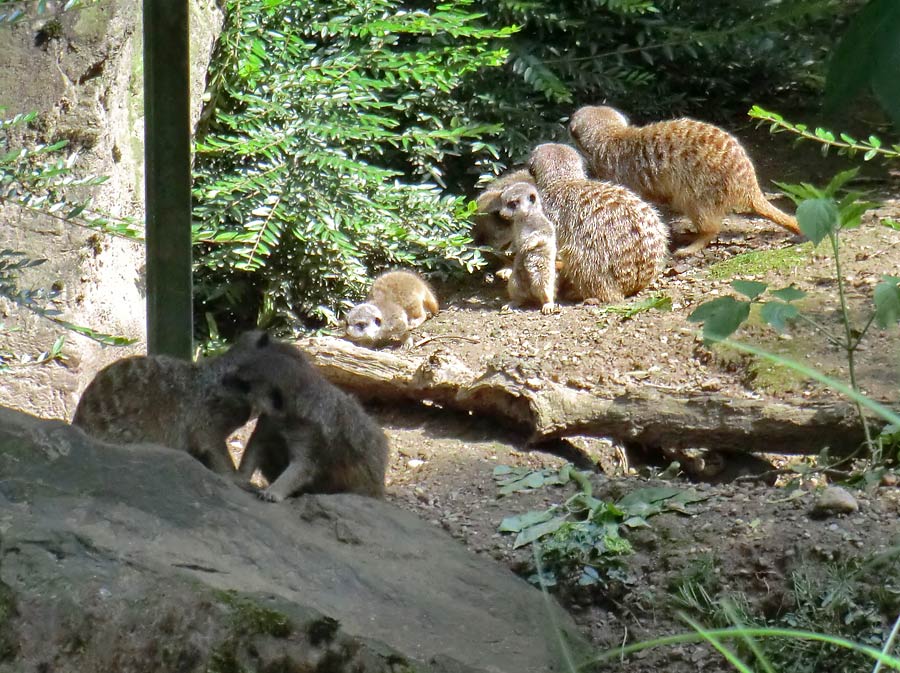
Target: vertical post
167 183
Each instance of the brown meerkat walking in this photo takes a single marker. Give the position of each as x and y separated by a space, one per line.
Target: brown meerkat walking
176 403
611 243
696 168
397 302
311 437
533 277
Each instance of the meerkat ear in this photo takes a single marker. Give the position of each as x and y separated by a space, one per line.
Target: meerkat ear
263 340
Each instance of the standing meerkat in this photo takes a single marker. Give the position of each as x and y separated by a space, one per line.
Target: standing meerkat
611 243
533 277
697 168
397 302
311 437
173 402
489 227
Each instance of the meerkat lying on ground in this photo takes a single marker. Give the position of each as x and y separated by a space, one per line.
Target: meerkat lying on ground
311 437
398 302
533 276
173 402
696 168
611 243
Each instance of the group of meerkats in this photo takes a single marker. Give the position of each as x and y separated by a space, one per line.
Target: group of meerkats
591 239
596 238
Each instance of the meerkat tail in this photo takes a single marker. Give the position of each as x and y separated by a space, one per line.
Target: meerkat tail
431 303
761 206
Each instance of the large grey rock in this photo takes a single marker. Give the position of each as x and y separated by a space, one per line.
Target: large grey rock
140 559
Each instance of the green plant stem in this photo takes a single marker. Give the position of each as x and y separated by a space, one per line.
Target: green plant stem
834 340
888 644
850 347
864 330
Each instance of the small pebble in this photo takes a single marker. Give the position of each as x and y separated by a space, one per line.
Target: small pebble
835 500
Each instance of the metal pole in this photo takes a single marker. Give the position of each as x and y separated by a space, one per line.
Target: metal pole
167 184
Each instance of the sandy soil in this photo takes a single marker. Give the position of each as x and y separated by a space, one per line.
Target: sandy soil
749 539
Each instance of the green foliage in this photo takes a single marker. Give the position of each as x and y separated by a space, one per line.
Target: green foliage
821 215
323 150
652 58
13 11
41 179
837 598
654 302
582 540
11 263
844 143
868 56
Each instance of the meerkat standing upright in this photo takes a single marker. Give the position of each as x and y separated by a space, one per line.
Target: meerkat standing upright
611 243
697 168
311 437
397 302
533 277
489 227
176 403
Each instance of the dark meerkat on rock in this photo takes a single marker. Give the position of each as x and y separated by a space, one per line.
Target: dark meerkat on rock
311 436
176 403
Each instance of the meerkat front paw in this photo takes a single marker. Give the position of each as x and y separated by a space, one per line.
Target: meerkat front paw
549 308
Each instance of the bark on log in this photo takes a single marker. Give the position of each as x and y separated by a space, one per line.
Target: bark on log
643 416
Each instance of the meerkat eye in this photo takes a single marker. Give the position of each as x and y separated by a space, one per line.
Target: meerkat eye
513 204
532 198
377 322
360 325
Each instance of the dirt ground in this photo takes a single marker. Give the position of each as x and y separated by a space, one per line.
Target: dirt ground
760 543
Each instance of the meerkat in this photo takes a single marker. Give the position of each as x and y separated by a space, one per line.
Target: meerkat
311 437
489 227
398 302
533 277
173 402
696 168
611 243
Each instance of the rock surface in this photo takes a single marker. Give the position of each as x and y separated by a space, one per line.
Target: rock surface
140 559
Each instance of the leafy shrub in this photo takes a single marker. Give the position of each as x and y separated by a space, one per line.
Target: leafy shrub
652 58
320 159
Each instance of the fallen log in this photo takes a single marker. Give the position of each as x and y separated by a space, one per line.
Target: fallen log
643 416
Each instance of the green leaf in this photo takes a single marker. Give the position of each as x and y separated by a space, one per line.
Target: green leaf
778 314
789 293
840 180
720 317
891 224
529 535
513 524
749 288
818 218
887 301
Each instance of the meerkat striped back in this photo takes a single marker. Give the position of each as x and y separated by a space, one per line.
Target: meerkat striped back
612 244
